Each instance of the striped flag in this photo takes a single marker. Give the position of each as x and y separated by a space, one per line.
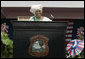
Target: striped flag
75 47
69 31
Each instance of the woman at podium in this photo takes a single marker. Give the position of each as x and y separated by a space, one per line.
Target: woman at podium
37 11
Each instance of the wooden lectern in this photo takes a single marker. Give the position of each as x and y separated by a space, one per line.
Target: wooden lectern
49 35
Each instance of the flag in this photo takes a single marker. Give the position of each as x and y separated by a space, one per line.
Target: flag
69 31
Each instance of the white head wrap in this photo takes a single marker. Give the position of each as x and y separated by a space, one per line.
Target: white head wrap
36 7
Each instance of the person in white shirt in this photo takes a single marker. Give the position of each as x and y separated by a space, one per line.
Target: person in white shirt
37 11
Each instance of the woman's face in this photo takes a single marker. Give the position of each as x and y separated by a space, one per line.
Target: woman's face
38 13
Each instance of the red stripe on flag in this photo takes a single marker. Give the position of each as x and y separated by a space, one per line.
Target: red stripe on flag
69 29
80 47
70 25
68 37
81 44
70 52
69 43
68 46
68 33
66 42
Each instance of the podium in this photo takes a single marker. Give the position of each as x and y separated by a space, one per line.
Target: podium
54 31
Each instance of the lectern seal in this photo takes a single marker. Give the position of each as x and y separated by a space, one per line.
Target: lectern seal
38 46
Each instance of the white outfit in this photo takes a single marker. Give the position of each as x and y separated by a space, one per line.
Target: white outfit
33 10
43 19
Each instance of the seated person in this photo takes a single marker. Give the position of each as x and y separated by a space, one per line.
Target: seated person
37 11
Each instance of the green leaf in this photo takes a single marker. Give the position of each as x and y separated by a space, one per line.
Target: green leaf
6 46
